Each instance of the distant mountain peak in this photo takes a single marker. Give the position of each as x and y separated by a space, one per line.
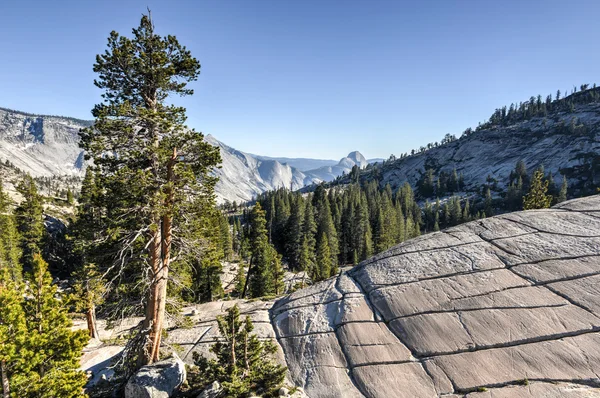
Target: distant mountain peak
357 157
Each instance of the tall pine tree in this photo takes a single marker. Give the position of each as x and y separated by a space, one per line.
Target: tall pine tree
537 197
156 163
54 348
30 220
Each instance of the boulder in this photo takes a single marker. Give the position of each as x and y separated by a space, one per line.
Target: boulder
159 380
212 391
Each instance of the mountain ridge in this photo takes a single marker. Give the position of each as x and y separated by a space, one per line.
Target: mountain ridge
47 145
242 176
565 142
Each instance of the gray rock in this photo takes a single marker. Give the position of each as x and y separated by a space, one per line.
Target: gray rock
472 311
212 391
284 392
539 389
159 380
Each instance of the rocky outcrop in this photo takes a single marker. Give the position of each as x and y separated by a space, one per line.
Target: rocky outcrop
159 380
492 153
502 307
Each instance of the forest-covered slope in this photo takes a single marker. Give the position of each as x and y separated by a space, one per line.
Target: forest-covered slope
562 136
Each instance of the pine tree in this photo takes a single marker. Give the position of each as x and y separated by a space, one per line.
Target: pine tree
293 244
537 198
400 223
562 195
455 211
488 209
13 330
326 228
55 348
309 231
276 272
225 238
9 240
30 220
240 279
264 274
388 224
70 199
88 287
324 262
410 227
207 276
453 183
243 364
4 199
158 164
367 244
466 216
89 293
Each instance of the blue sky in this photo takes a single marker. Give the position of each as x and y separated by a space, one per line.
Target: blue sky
308 78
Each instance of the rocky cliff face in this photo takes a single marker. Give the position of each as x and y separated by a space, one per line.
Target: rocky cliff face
563 142
41 145
243 176
478 310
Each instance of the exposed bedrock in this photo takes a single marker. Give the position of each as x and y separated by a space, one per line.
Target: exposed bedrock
502 307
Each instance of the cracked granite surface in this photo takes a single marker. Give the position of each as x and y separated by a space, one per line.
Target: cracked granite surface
502 307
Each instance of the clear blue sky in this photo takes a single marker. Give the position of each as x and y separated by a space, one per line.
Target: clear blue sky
315 78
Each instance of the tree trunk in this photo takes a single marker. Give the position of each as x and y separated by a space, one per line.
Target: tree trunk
233 337
247 277
91 321
5 383
153 320
160 250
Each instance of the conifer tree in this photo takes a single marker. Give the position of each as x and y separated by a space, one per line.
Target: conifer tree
4 200
70 199
244 365
399 224
410 227
466 216
455 211
207 276
264 274
10 251
327 231
158 165
324 261
30 220
13 330
309 232
488 209
367 246
225 238
562 195
240 279
53 366
293 244
89 293
537 197
89 287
